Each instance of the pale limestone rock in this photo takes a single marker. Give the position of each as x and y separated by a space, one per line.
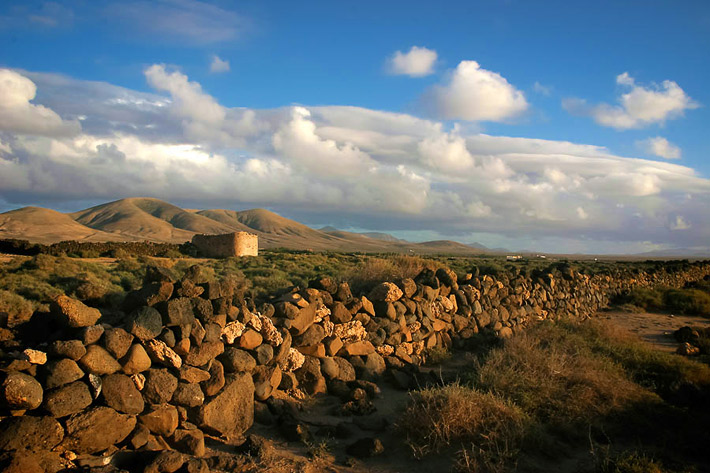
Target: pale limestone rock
232 331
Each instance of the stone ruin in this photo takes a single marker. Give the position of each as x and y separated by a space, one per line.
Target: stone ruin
227 245
83 388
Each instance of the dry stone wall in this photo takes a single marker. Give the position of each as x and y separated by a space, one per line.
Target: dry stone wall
193 357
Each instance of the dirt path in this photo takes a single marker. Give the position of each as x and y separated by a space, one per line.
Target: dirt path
656 329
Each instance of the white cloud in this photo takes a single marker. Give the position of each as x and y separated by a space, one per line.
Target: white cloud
298 140
219 65
19 115
542 89
476 94
189 99
641 106
187 21
417 62
661 147
203 118
368 168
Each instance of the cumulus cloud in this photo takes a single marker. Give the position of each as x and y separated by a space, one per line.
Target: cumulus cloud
297 139
19 115
641 106
476 94
661 147
219 65
203 118
368 168
417 62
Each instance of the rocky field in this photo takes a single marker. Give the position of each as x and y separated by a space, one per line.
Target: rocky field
193 372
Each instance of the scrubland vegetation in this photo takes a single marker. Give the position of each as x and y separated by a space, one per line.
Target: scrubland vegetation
562 393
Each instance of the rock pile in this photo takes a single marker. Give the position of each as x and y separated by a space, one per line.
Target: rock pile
193 357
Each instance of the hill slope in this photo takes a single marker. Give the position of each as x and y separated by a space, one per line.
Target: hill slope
47 226
148 219
154 220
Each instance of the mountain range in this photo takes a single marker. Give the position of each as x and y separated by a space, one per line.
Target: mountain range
141 219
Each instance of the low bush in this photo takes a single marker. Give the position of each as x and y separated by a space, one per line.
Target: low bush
552 372
483 428
17 308
688 301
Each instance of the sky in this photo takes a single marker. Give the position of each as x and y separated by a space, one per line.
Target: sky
551 126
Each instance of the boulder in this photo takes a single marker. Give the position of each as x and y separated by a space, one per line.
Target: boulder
161 420
120 392
30 433
160 352
264 354
232 410
159 386
75 313
177 312
250 339
117 342
68 400
202 354
72 349
340 314
188 395
216 382
360 348
385 292
313 335
235 360
21 391
266 380
98 361
97 429
145 323
92 334
310 378
303 319
136 360
61 372
190 374
190 441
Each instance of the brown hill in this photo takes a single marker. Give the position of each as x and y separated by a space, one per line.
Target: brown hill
148 219
47 226
155 220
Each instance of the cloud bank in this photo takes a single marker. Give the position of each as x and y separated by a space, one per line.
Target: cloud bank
359 167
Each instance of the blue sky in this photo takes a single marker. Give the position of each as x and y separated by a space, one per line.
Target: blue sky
555 71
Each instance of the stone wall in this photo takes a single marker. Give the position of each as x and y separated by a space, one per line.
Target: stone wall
193 357
227 245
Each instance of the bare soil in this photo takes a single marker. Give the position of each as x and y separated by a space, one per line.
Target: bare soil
654 328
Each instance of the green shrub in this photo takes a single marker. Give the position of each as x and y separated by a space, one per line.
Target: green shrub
688 301
553 372
17 308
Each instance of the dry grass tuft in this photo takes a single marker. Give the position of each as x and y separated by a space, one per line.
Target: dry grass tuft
375 270
552 372
486 429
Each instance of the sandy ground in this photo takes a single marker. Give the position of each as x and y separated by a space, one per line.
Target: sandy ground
656 329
